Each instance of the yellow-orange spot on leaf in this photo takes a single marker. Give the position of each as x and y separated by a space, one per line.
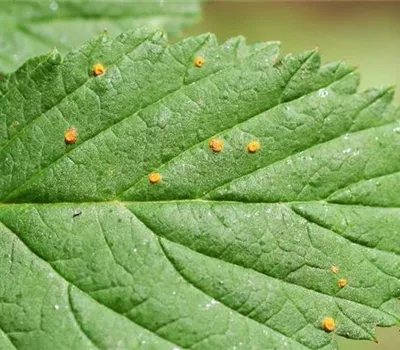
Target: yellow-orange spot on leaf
334 269
328 324
71 136
342 283
155 178
253 147
98 69
216 145
199 61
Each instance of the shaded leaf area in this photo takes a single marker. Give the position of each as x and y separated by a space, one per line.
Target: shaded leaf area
231 249
30 28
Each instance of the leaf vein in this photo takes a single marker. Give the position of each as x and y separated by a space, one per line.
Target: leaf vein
288 156
309 219
120 194
78 323
8 337
111 126
73 284
66 96
200 289
258 272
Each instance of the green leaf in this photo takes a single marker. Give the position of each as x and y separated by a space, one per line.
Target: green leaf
231 249
31 28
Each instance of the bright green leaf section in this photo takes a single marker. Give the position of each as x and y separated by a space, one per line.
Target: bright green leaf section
231 250
30 28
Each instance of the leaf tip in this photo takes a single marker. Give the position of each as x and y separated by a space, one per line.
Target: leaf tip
55 56
392 88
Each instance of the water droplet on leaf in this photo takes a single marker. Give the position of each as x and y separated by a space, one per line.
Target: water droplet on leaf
323 93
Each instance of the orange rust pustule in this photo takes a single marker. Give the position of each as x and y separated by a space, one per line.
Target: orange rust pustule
216 145
328 324
98 69
342 283
253 147
155 178
335 269
71 136
199 61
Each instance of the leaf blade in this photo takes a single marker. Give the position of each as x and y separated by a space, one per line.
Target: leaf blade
230 248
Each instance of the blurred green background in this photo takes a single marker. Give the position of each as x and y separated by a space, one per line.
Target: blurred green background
366 34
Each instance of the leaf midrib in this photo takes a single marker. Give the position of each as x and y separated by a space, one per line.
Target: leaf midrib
70 283
290 204
349 132
39 173
286 204
334 297
136 113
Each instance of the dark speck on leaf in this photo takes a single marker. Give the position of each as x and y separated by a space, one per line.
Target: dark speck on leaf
76 213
